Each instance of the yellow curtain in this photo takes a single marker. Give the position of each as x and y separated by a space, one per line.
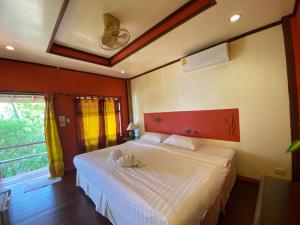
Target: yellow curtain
55 156
90 120
110 122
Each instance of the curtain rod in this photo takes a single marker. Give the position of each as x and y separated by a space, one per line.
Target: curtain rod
49 93
88 95
96 98
18 96
21 93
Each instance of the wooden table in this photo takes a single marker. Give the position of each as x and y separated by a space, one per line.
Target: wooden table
130 139
278 202
4 205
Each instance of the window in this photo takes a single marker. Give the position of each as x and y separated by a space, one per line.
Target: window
99 122
22 140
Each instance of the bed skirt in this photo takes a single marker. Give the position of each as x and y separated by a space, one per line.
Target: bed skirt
103 206
116 217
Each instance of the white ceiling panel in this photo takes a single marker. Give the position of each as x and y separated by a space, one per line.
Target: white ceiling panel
83 23
28 23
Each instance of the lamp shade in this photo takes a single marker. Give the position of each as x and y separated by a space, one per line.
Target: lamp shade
131 126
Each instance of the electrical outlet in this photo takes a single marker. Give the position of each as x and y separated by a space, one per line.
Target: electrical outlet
280 171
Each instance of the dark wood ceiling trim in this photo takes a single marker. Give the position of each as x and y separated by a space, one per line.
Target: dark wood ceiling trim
293 88
129 100
156 68
255 31
292 80
79 55
293 96
63 68
228 40
57 24
296 6
181 15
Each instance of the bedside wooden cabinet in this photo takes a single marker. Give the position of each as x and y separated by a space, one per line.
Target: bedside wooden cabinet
4 205
278 202
130 139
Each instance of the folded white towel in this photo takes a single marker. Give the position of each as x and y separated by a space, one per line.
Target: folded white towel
127 160
114 155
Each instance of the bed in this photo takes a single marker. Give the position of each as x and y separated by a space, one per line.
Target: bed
175 187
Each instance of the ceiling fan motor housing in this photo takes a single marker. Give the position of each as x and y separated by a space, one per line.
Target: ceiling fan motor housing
111 38
110 23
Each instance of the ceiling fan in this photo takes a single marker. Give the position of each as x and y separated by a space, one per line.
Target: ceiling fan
113 37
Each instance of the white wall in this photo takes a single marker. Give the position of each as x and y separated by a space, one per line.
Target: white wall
255 81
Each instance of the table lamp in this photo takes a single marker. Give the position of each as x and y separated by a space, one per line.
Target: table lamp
131 127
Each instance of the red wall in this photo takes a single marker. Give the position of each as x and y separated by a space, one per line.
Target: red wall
295 25
295 28
25 77
218 124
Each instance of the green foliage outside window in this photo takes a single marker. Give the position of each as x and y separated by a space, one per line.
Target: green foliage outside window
22 123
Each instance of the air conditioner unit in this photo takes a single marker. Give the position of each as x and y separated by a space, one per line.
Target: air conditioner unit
207 58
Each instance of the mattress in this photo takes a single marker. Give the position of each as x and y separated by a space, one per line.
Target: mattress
175 187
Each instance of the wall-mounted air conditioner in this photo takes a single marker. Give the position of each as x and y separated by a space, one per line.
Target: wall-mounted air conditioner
207 58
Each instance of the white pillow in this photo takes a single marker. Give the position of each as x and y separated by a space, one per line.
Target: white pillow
182 142
155 137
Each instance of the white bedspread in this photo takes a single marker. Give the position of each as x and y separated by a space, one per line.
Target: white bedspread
175 187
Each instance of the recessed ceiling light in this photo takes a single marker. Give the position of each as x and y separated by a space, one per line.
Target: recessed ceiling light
235 18
10 48
122 71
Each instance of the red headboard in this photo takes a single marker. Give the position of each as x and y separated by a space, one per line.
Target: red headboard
220 124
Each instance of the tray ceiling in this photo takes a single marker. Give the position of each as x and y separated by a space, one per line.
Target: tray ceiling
28 26
82 23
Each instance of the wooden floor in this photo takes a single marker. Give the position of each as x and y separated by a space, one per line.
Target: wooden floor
63 203
241 204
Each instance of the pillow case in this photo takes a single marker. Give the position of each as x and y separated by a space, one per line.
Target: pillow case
155 137
182 142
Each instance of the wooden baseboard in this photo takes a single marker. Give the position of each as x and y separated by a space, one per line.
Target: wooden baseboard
248 179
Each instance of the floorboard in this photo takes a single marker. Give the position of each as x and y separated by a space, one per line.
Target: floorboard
64 204
241 204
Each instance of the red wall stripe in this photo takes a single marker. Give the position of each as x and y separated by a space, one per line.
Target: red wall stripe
220 124
295 26
295 29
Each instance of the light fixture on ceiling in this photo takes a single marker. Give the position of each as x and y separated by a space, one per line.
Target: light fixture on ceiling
122 71
10 48
235 18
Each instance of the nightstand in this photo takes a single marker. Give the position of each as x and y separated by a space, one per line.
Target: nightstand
4 205
278 202
130 139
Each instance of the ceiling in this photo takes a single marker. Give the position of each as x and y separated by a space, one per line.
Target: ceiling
82 23
28 26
